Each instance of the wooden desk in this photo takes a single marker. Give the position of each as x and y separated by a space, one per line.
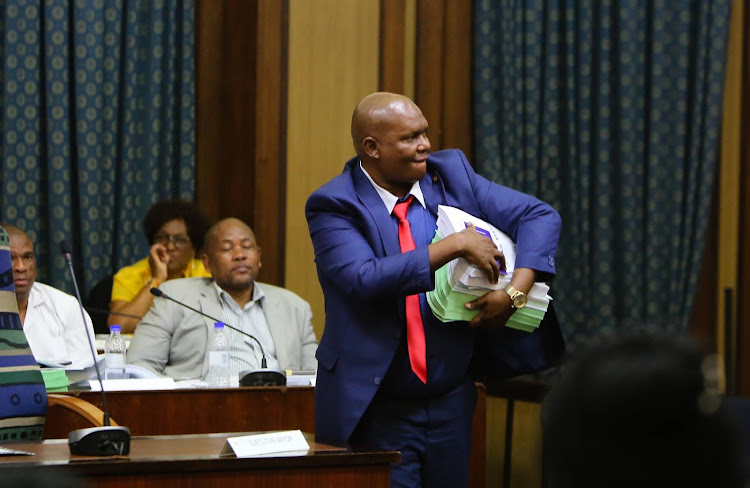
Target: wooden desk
193 460
202 411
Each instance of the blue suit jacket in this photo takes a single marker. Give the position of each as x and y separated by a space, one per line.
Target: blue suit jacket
364 275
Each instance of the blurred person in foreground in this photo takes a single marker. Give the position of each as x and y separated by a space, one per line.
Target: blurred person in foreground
639 411
175 230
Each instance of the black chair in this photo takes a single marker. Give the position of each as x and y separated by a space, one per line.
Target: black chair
97 304
739 409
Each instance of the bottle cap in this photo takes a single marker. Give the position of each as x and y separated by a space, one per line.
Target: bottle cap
218 325
115 328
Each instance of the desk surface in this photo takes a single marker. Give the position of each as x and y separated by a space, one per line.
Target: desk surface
175 460
203 411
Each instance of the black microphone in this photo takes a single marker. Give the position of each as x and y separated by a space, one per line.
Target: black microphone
95 441
262 377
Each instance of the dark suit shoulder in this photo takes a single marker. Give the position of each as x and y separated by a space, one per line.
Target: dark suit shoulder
341 185
448 159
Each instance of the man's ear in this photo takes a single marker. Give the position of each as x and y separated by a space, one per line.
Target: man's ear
206 262
371 147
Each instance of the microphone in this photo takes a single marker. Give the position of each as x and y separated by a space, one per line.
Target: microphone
107 440
261 377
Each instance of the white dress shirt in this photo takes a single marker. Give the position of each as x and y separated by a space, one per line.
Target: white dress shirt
244 354
53 327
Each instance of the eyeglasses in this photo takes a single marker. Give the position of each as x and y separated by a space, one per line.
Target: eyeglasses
180 240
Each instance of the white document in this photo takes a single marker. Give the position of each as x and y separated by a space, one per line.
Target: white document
300 380
134 384
452 219
269 444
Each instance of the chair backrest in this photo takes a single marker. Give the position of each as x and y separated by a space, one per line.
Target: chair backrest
98 301
23 398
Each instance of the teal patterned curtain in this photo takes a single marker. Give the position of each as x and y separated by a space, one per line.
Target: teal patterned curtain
609 110
97 114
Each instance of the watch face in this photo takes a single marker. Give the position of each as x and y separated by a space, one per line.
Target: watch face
519 301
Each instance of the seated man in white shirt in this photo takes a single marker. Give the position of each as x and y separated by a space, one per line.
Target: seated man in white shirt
51 318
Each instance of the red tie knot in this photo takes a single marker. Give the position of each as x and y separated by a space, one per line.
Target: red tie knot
401 208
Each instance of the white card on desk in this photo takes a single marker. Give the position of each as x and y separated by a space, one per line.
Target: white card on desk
134 384
281 443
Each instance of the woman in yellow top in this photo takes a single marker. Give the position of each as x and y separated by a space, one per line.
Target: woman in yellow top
175 230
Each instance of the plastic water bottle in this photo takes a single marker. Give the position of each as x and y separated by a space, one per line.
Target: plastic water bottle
114 354
218 358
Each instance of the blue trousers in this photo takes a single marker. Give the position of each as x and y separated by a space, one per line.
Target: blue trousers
433 435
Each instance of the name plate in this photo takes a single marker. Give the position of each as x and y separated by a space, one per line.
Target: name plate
269 444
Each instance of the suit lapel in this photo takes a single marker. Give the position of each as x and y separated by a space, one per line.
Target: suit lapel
278 323
371 200
210 305
432 190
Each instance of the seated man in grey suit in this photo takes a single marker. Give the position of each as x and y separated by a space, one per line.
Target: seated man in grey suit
172 340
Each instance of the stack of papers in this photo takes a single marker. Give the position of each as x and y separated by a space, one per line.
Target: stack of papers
459 281
55 379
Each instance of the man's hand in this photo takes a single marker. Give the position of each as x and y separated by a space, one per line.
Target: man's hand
480 251
158 260
496 309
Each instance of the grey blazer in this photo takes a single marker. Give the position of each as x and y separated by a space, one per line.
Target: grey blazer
172 340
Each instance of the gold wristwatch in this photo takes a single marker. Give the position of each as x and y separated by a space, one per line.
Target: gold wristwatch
517 298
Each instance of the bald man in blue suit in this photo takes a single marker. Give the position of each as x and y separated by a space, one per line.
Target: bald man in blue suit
367 392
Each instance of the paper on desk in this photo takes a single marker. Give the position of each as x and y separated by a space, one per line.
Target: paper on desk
134 384
275 444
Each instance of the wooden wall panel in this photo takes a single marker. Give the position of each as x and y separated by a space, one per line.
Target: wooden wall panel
333 63
443 72
269 205
430 58
729 208
392 45
225 108
240 110
497 430
457 92
743 292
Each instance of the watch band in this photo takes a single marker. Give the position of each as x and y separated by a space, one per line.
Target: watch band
517 297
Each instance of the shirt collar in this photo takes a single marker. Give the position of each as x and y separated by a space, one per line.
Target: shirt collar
389 199
258 295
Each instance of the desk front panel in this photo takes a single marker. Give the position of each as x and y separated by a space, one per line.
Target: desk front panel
196 411
202 411
194 461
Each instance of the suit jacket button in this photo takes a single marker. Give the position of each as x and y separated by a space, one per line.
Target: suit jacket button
551 260
377 380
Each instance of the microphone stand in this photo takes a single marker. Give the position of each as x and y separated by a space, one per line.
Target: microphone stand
107 440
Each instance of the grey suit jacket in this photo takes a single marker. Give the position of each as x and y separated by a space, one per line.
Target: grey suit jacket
172 340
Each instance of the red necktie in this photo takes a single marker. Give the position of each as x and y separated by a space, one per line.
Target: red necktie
414 325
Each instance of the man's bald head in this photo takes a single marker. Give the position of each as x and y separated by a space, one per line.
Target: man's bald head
232 255
216 231
23 261
12 230
374 113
